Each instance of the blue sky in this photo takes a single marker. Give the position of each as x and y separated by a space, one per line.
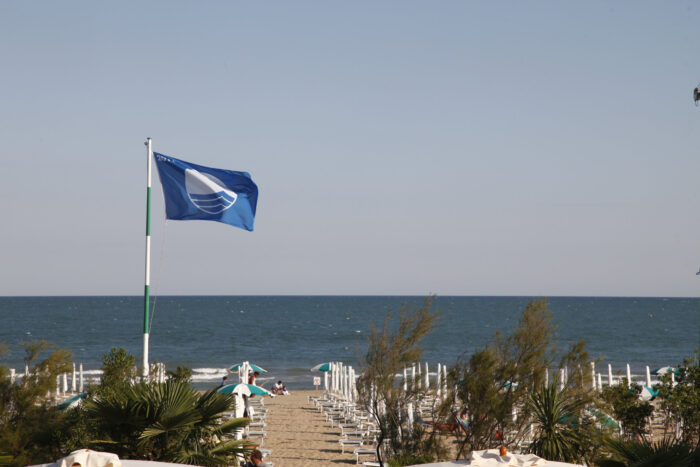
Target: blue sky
476 148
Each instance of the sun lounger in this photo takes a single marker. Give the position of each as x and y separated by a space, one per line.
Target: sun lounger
349 442
360 452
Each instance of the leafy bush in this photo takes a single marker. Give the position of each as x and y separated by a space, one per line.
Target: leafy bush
628 409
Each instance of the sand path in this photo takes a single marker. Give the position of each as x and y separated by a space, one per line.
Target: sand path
299 435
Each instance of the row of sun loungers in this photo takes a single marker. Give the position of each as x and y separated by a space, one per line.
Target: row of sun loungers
356 429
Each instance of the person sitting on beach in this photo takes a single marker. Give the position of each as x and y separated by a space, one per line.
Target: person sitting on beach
256 460
284 391
277 388
223 381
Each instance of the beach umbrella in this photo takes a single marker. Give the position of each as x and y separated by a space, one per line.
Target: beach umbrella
648 376
629 376
252 366
664 370
72 402
427 376
322 367
604 419
610 379
444 380
648 393
244 389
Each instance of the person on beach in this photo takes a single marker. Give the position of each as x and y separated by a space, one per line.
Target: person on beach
256 460
284 391
251 378
277 388
223 381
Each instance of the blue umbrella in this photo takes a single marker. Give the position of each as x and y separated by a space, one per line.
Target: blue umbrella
244 389
322 367
252 367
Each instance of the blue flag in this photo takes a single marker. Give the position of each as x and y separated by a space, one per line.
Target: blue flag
195 192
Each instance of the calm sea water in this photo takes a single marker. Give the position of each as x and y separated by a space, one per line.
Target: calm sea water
289 335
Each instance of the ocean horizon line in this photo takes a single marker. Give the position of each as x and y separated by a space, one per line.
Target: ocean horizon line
360 296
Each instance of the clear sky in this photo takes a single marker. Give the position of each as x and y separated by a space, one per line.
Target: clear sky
400 147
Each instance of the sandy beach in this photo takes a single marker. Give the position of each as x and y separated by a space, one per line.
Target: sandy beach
299 435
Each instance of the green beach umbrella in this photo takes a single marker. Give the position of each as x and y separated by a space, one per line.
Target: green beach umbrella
664 370
244 389
648 394
253 367
322 367
72 402
604 419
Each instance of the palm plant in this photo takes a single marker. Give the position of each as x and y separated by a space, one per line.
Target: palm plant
664 453
555 415
166 422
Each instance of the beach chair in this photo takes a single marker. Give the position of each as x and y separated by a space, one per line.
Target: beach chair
349 442
365 452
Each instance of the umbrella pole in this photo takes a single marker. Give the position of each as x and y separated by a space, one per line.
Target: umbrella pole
146 294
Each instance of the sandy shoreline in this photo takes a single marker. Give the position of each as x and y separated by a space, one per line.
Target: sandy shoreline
299 435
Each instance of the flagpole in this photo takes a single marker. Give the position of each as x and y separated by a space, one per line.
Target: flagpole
146 295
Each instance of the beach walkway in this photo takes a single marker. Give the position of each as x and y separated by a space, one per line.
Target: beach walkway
299 435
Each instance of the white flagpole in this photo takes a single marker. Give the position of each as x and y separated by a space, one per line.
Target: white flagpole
146 295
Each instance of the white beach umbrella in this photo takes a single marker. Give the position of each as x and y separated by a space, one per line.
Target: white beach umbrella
593 385
419 380
562 378
73 386
325 380
58 384
600 382
444 380
427 377
13 375
629 376
65 382
405 379
438 385
610 378
82 379
413 376
648 377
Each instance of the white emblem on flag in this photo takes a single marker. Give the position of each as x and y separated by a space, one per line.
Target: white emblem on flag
207 192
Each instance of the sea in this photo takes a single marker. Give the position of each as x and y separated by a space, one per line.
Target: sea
287 335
